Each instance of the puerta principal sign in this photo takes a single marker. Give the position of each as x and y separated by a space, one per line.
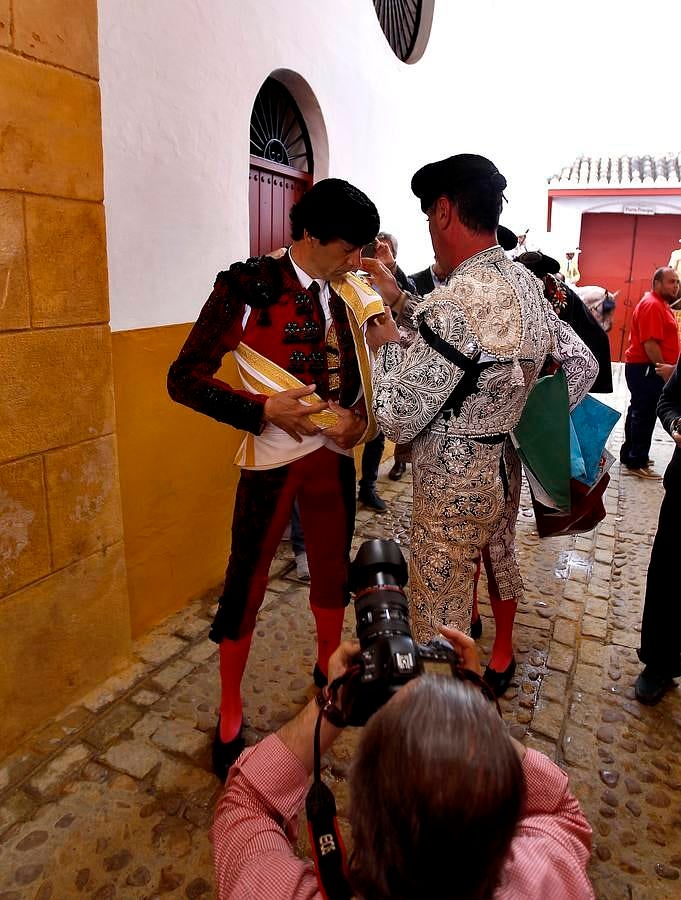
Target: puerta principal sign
638 210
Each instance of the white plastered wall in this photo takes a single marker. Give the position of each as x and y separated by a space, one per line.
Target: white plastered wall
525 86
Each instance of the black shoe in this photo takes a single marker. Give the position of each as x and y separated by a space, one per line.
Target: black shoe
499 681
651 686
226 754
476 629
397 471
319 677
369 498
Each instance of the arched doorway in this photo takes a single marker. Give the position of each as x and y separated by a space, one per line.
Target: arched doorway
281 165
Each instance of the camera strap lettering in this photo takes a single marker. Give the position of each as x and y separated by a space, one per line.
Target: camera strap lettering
328 849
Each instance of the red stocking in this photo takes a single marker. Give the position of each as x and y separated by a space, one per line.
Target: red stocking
329 628
233 656
504 616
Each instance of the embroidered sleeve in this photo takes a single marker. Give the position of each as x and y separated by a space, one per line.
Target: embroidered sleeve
217 331
579 363
412 385
669 404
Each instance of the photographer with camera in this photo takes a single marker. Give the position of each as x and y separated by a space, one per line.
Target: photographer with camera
443 802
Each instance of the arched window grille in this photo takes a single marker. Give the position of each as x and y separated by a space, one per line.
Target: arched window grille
400 21
278 131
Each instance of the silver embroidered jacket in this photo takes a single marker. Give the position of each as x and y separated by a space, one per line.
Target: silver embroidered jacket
493 306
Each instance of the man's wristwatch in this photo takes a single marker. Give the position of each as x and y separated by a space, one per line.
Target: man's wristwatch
676 425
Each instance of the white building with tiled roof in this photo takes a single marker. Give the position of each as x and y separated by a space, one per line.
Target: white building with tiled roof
623 213
620 172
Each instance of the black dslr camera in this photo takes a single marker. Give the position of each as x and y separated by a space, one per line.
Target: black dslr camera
389 657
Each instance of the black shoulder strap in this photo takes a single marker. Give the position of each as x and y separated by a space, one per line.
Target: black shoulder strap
447 350
472 369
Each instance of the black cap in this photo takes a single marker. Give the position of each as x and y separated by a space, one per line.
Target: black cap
539 263
507 239
455 174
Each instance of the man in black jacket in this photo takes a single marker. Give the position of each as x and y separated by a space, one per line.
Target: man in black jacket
661 626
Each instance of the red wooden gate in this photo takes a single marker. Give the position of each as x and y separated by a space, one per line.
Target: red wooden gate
620 252
272 191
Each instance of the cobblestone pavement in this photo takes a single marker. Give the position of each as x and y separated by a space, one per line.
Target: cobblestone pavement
114 798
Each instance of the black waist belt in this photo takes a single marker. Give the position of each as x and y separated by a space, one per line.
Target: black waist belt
492 438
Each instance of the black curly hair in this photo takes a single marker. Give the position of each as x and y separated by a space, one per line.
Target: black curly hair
334 209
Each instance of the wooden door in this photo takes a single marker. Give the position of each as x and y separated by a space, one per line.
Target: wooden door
272 191
620 252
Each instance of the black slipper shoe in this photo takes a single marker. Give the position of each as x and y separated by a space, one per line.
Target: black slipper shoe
225 753
499 681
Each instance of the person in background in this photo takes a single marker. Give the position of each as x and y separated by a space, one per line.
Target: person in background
384 248
650 357
570 269
660 649
298 545
675 261
428 279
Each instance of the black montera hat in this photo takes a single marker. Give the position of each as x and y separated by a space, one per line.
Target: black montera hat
507 238
539 263
451 176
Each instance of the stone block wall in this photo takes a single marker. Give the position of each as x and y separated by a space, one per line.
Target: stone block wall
64 612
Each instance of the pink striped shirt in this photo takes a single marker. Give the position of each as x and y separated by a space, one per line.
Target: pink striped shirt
256 823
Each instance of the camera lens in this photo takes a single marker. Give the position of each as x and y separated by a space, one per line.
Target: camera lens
378 562
377 576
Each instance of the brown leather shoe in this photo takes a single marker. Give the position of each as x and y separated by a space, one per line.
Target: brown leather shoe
648 473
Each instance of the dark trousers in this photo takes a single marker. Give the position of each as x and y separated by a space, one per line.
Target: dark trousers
661 626
297 536
371 460
645 387
323 483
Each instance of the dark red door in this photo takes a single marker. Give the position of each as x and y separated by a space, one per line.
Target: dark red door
621 252
272 191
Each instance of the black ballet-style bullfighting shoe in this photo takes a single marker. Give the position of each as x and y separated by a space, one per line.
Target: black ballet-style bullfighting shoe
319 678
225 753
499 681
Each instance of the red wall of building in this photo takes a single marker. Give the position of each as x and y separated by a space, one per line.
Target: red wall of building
620 252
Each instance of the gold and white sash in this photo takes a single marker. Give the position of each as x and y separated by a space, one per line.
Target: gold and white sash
259 375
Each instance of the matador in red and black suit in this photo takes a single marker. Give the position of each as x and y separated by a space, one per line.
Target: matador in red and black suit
295 326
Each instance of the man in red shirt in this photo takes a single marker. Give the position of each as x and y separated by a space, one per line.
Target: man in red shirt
650 358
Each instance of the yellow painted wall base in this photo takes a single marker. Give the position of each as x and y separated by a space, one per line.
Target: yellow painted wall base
177 479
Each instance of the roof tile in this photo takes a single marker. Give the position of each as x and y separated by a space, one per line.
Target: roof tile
620 171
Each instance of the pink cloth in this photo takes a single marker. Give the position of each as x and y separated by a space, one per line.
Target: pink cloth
256 821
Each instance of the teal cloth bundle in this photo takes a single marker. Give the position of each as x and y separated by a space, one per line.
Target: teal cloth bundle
557 446
591 423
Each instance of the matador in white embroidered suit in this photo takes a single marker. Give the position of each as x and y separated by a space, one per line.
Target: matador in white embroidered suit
494 313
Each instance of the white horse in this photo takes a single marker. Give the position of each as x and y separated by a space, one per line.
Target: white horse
600 301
